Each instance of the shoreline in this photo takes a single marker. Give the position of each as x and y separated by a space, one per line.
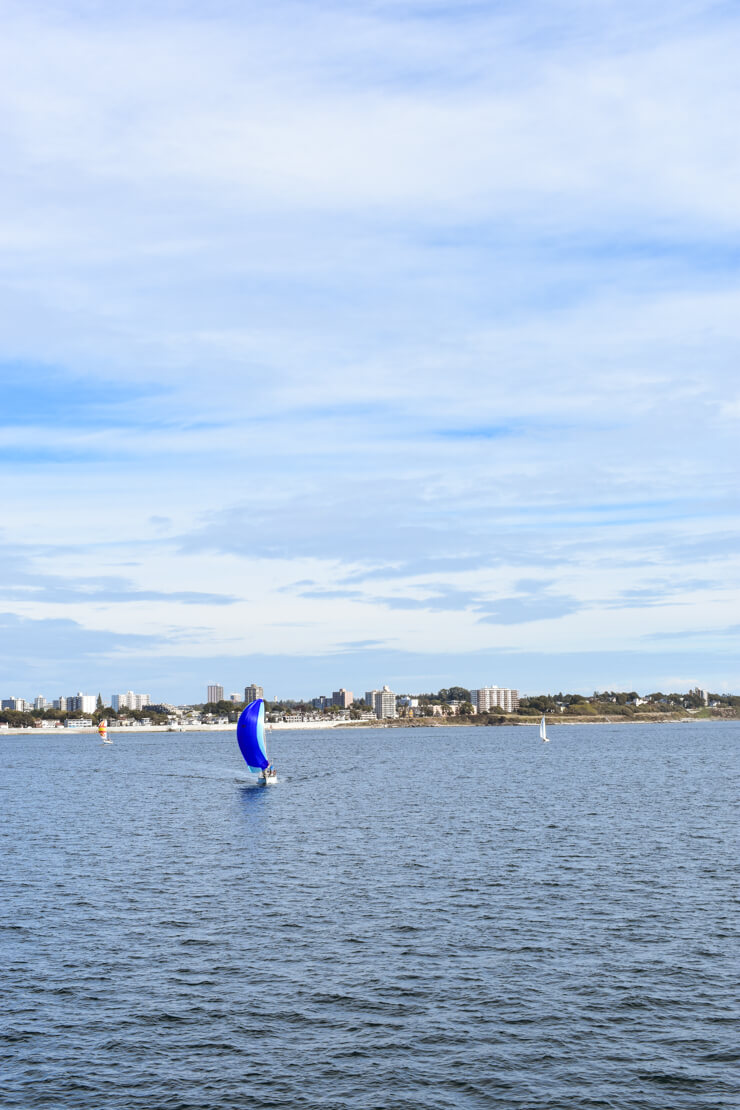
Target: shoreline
529 722
417 722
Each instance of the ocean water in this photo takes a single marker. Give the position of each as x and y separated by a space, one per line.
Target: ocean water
411 918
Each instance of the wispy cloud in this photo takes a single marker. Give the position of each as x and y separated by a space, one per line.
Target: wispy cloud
21 581
42 646
407 323
39 395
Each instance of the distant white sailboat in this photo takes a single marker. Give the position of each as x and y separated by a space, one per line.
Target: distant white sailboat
543 731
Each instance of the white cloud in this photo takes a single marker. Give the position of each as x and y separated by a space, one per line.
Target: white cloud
417 288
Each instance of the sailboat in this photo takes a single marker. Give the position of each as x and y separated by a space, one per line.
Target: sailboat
543 731
103 732
250 736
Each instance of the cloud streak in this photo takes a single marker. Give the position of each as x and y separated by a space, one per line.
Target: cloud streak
432 308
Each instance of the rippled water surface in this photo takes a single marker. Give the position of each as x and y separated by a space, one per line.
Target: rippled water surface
410 918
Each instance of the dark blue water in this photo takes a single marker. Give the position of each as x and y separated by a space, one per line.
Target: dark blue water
556 927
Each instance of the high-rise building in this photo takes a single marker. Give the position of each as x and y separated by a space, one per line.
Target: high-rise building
19 704
215 693
342 698
81 703
60 703
385 703
251 693
129 700
40 702
493 697
370 698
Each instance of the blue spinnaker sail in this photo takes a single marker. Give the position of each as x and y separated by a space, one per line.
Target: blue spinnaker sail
250 735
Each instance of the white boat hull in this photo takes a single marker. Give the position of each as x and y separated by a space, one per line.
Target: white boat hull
268 780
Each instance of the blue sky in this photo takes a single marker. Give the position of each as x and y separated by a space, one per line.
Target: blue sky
373 342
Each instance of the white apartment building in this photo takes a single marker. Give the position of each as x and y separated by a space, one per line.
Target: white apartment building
19 704
494 697
251 693
60 703
215 693
40 703
129 700
81 703
384 703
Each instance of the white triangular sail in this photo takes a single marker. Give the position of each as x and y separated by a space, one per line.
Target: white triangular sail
543 731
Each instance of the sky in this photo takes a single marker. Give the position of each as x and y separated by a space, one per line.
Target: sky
372 342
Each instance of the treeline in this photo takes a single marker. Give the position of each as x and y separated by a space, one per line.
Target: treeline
600 703
15 718
619 703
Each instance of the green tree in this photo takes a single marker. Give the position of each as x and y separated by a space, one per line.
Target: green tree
456 693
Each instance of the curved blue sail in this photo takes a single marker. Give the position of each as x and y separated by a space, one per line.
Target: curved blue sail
250 735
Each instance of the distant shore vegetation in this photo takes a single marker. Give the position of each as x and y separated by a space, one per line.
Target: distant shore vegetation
449 703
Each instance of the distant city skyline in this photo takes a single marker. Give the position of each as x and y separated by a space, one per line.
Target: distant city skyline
370 343
484 698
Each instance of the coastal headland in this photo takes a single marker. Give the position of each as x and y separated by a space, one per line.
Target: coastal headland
595 719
